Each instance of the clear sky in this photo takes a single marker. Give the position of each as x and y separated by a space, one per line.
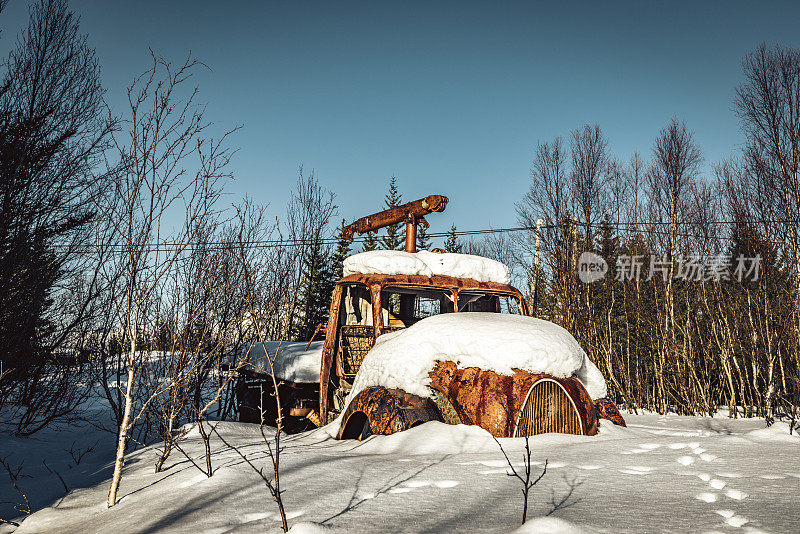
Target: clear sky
451 97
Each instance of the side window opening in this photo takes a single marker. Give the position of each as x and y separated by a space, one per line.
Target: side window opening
357 307
355 331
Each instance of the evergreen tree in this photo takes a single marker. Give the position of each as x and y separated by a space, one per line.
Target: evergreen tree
339 255
423 240
393 240
370 242
315 292
451 244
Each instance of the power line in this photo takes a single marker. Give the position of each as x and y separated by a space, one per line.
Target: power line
622 226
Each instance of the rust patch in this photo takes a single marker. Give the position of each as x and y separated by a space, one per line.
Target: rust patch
608 410
493 402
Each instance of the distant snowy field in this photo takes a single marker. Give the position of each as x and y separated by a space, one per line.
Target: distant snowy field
662 473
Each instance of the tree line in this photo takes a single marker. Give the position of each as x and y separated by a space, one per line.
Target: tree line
123 275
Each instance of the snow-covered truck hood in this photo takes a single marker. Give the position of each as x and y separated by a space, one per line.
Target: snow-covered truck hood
426 263
489 341
291 361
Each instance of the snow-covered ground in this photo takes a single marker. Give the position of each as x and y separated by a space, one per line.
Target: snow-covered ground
662 473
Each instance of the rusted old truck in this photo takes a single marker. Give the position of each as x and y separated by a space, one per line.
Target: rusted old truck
404 296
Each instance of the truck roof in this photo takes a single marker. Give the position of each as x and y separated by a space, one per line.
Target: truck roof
427 264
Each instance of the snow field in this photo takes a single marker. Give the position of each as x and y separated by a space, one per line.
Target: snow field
440 478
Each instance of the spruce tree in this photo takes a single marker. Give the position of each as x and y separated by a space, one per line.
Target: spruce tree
423 240
451 244
315 291
393 240
340 254
370 242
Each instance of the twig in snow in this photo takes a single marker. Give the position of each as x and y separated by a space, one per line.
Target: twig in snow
25 507
527 483
56 473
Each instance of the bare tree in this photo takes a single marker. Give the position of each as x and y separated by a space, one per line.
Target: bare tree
166 134
53 130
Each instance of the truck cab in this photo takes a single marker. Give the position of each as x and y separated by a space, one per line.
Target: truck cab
366 306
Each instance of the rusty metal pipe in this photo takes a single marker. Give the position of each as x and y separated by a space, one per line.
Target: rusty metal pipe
411 235
408 213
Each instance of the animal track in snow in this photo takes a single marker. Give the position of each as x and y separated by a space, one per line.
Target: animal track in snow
676 446
735 494
707 457
737 521
705 477
716 483
725 513
685 460
706 497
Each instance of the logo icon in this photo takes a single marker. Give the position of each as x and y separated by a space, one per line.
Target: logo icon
591 267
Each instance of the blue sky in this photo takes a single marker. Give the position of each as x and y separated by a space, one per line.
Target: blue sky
451 97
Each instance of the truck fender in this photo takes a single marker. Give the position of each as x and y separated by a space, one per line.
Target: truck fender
382 411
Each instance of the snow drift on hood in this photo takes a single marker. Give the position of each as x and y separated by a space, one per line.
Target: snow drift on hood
427 264
490 341
292 362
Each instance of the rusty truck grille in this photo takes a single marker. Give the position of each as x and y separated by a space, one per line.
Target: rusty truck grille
548 408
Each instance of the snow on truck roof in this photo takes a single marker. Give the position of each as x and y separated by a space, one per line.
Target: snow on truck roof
427 263
489 341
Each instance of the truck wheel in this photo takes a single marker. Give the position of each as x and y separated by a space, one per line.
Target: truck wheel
357 427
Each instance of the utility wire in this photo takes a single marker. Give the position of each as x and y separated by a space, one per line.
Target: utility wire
628 227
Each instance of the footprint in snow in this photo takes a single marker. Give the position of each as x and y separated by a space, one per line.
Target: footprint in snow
554 465
735 494
732 519
698 451
589 467
773 477
705 477
716 483
707 457
706 497
446 484
399 490
685 460
676 446
417 483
